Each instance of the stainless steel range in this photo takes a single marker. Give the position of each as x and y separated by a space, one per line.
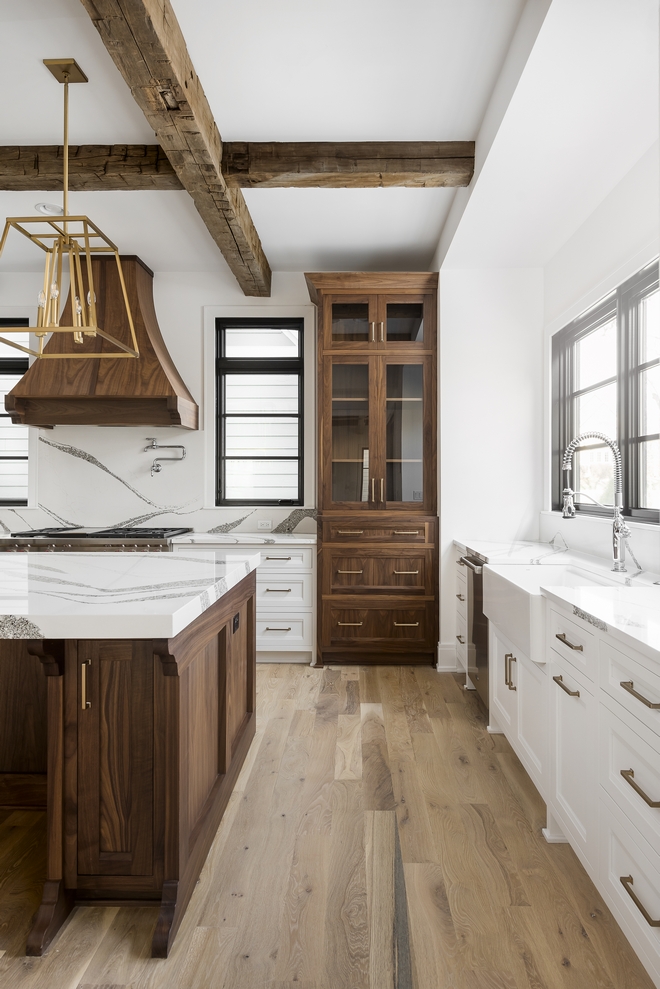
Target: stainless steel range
76 539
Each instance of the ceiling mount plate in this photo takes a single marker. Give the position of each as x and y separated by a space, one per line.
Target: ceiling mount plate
60 66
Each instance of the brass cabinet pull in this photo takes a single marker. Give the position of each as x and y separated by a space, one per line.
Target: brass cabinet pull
84 703
461 639
512 659
406 624
278 557
351 624
350 532
628 685
626 882
373 488
382 332
278 590
628 775
507 668
560 683
409 532
269 629
460 597
382 489
350 571
373 332
562 638
460 563
406 571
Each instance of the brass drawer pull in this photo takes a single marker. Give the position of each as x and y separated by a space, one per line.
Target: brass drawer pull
460 563
350 571
373 489
562 638
560 683
373 332
382 332
406 532
406 571
278 590
350 532
507 669
628 685
406 624
626 882
382 489
628 775
460 597
84 703
278 557
269 629
461 639
350 624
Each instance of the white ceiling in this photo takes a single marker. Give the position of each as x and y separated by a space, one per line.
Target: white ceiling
584 112
295 70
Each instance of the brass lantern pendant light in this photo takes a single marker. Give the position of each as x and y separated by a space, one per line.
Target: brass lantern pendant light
69 242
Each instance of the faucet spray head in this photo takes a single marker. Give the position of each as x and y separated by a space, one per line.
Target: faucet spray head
568 509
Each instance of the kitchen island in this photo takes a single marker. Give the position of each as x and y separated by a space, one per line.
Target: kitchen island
127 699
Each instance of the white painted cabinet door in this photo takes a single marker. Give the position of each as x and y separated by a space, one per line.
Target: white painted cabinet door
503 688
573 722
532 733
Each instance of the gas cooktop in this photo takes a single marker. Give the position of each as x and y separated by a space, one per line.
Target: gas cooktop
117 532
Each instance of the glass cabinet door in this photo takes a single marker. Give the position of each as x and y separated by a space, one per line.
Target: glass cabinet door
404 434
350 322
350 433
405 324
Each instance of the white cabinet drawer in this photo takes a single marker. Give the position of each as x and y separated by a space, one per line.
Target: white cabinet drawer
461 601
283 592
624 854
627 746
287 558
574 643
275 633
631 684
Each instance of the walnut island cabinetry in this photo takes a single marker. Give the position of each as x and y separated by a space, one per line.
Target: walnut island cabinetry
377 525
134 737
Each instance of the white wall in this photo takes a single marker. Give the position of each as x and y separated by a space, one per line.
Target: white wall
621 236
491 410
102 476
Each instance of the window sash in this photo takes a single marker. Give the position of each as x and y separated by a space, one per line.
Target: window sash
274 366
624 304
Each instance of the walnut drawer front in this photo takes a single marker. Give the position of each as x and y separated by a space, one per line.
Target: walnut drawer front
368 571
377 532
376 625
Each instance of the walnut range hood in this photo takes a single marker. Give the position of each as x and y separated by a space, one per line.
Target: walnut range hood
143 391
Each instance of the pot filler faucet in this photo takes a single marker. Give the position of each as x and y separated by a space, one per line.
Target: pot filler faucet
620 531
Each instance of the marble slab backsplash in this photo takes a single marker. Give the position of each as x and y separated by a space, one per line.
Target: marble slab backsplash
95 476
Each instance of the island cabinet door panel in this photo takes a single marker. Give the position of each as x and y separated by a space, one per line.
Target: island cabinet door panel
115 689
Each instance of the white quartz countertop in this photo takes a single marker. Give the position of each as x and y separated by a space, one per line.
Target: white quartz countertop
113 595
629 614
521 551
245 539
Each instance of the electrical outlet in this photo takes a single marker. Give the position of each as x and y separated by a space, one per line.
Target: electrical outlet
264 524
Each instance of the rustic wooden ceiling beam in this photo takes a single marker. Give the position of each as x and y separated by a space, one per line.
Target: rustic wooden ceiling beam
348 165
92 168
145 42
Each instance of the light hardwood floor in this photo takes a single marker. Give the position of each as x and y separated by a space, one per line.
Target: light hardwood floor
378 838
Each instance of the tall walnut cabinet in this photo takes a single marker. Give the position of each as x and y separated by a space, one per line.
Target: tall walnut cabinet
377 524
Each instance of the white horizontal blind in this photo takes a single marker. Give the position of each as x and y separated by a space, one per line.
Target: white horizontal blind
13 438
260 378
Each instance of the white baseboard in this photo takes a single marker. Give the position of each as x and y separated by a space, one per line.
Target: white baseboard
447 658
283 657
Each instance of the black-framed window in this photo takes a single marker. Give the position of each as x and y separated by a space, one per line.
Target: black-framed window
13 438
606 378
259 391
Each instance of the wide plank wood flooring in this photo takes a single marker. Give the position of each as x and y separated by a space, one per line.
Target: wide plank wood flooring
378 838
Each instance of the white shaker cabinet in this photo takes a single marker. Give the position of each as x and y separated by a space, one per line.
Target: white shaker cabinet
286 593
